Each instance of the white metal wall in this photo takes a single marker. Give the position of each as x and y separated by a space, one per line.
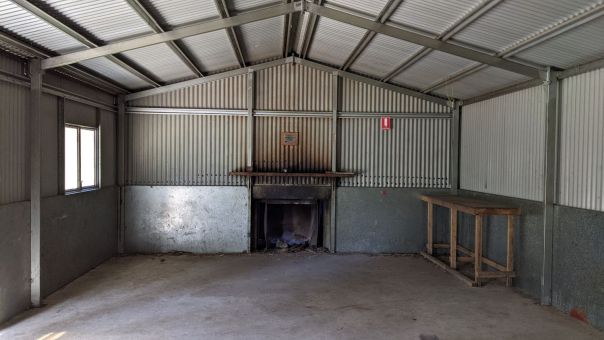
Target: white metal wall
581 172
502 145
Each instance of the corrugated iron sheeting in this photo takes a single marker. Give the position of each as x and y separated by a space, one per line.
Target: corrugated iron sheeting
212 51
502 145
382 55
262 39
14 144
361 97
370 8
582 141
176 13
313 154
293 87
185 149
434 67
334 41
228 93
415 153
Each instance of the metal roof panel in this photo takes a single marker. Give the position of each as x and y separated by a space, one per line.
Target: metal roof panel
114 72
161 61
212 50
369 7
262 39
334 41
382 55
482 82
430 69
176 13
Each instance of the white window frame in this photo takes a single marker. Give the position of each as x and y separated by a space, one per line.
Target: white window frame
97 162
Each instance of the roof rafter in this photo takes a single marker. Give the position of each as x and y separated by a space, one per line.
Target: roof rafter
532 40
419 39
51 20
466 20
176 34
384 15
290 31
157 28
223 9
309 32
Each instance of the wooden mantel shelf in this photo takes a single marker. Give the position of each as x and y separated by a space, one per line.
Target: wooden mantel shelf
328 174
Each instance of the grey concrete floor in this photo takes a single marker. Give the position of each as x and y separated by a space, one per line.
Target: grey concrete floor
299 296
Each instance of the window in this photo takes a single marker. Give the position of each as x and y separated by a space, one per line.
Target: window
81 158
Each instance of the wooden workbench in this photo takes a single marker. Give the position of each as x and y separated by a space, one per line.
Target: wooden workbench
480 209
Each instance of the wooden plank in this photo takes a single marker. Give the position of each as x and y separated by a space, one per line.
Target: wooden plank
453 272
510 250
430 228
440 246
496 275
453 240
477 249
471 205
485 260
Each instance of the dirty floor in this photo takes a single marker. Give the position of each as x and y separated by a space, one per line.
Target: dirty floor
296 296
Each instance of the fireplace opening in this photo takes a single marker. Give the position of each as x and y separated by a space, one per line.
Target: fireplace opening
287 225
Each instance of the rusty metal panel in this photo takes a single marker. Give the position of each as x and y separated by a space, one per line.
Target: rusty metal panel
581 172
502 145
362 97
14 150
293 87
198 149
313 153
414 153
228 93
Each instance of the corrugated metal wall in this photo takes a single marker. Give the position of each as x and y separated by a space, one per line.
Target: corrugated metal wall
14 148
185 149
502 145
293 87
362 97
415 153
228 93
313 154
581 172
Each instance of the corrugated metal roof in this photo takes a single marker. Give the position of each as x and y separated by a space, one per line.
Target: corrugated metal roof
382 55
212 51
160 61
578 46
114 72
514 20
368 7
334 41
22 23
107 20
430 69
481 82
176 13
432 15
262 39
247 5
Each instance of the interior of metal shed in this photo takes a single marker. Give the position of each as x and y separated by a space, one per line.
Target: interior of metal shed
417 169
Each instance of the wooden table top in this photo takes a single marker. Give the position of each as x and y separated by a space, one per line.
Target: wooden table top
472 205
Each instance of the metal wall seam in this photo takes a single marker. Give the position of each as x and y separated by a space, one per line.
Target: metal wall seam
581 162
502 145
293 87
362 97
228 93
185 149
413 154
14 143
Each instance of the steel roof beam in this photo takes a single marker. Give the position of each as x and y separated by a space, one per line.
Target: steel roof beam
74 71
309 32
223 9
157 28
451 31
290 32
532 40
51 20
383 16
176 34
419 39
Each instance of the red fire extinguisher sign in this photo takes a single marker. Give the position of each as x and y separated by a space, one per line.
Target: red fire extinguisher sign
386 123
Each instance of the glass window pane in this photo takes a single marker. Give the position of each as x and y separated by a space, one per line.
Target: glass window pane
71 158
88 157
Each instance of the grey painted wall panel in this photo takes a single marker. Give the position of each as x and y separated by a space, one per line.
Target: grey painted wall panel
374 220
79 232
192 219
502 145
582 141
14 259
79 114
578 281
108 149
49 145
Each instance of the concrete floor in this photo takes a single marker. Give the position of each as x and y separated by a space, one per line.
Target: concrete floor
300 296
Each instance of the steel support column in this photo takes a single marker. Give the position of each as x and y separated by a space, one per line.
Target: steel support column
251 99
455 147
335 106
36 73
550 184
121 170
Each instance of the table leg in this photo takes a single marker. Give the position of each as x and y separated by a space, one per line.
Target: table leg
430 231
477 249
510 250
453 240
